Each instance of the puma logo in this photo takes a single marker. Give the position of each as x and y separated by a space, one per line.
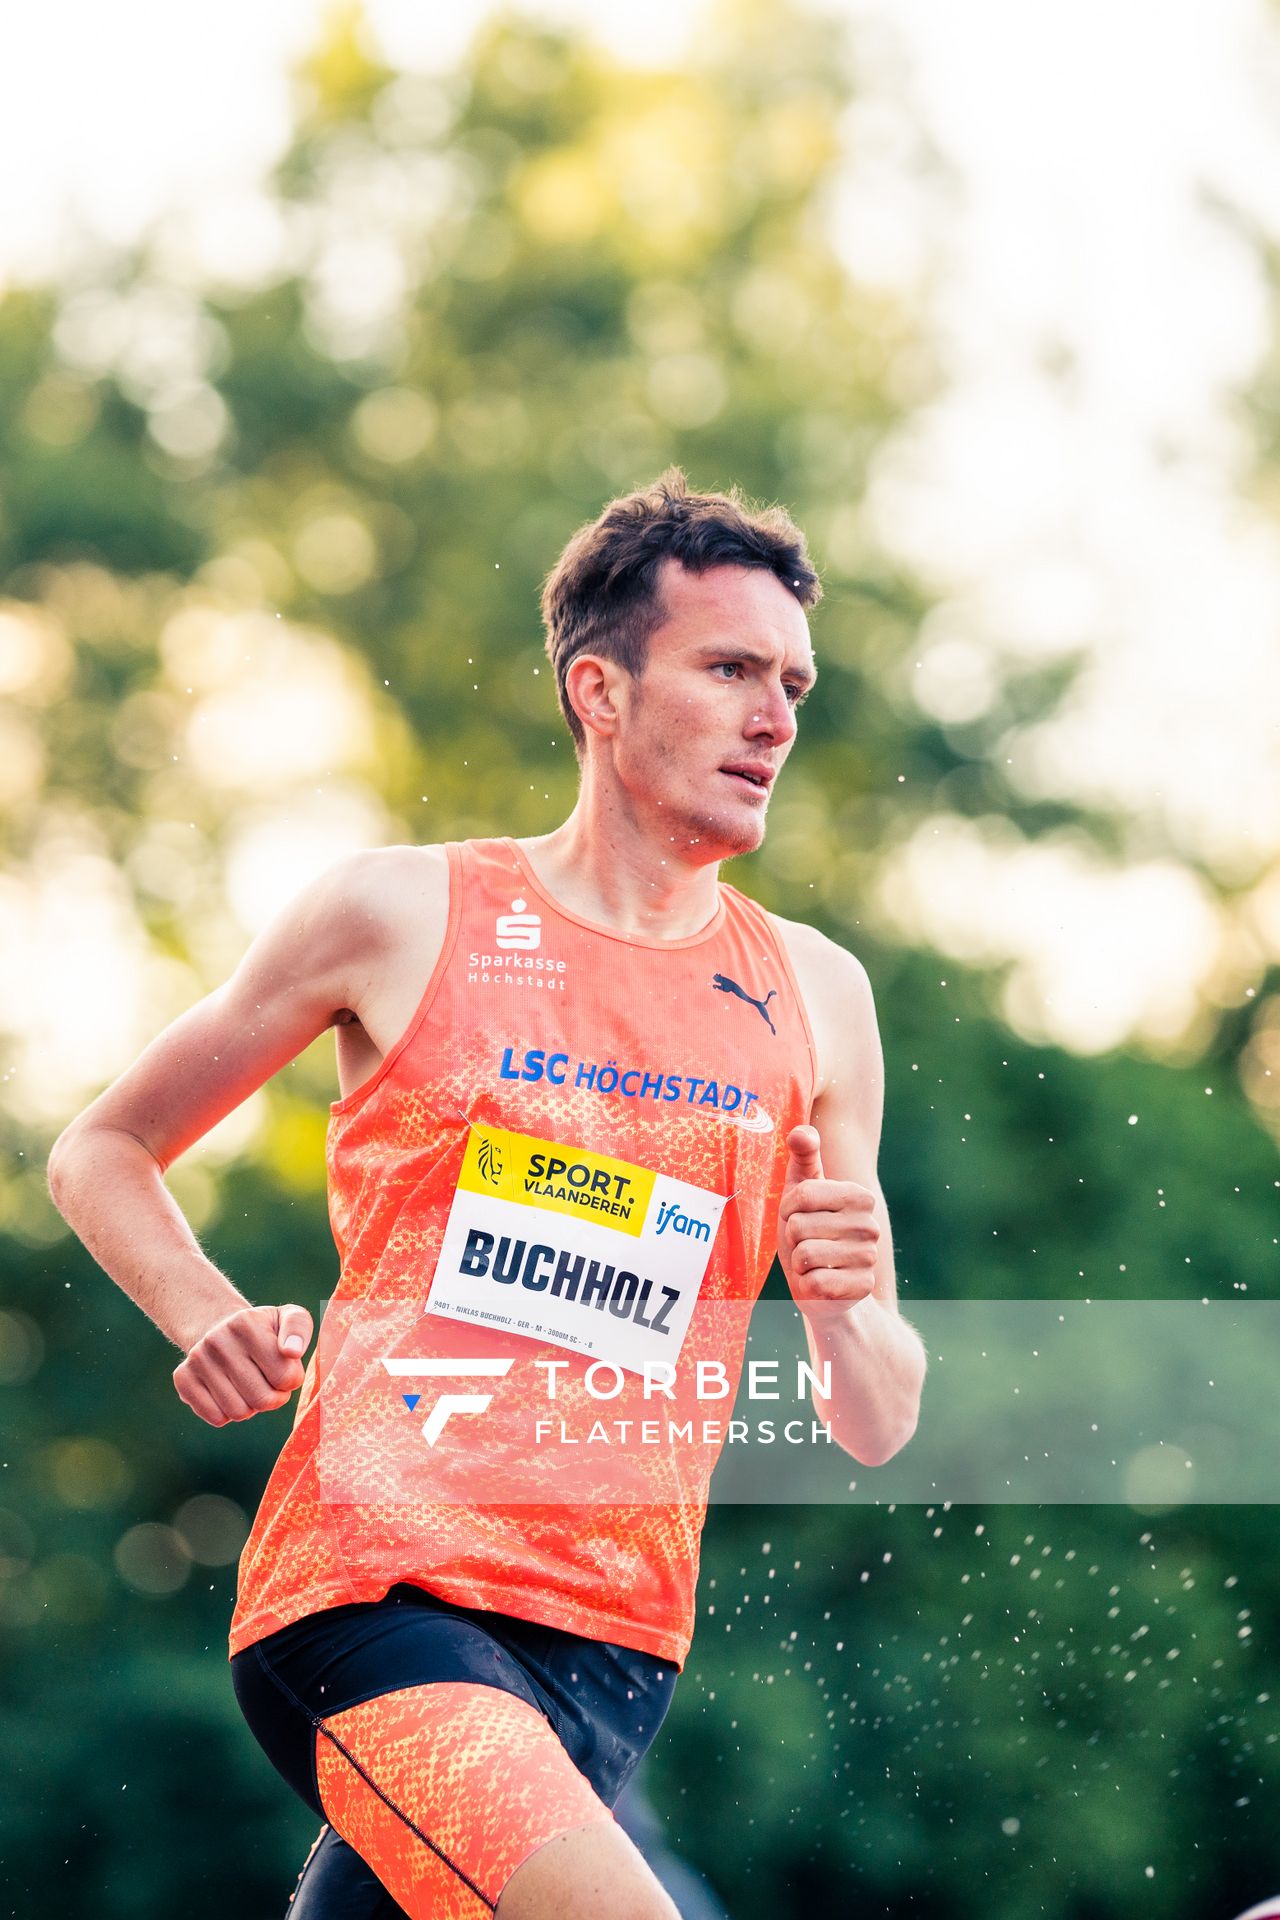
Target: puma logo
726 985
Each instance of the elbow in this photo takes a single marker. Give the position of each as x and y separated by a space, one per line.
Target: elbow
59 1168
56 1167
899 1443
880 1456
876 1456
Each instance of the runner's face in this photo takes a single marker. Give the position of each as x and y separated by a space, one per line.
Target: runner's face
724 675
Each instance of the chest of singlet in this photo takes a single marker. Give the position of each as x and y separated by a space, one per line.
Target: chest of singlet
575 1151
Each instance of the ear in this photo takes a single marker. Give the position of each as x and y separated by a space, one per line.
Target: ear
589 682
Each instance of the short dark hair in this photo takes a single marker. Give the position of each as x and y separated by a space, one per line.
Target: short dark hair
604 592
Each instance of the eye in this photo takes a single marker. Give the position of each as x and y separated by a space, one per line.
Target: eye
796 695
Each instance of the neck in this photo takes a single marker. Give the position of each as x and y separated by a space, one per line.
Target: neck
604 866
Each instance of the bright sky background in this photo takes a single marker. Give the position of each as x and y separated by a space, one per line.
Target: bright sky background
1103 503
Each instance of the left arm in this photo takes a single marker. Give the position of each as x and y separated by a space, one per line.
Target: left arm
834 1238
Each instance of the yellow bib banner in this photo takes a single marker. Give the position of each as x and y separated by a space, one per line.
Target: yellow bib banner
562 1244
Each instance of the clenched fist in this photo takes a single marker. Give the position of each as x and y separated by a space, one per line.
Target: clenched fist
249 1363
827 1232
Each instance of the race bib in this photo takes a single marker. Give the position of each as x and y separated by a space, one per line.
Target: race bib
561 1244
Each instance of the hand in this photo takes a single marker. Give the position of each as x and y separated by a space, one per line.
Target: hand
248 1363
827 1233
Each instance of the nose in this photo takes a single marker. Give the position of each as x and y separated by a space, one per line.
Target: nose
773 717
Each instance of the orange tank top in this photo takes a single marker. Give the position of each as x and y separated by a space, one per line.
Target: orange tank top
557 1193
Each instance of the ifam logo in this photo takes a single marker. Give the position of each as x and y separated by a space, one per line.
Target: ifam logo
431 1369
670 1215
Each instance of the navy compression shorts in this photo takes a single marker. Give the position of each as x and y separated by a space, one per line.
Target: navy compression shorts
442 1745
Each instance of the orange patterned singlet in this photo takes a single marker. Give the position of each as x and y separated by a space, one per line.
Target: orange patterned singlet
555 1196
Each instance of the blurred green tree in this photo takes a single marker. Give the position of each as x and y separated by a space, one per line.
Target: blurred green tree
270 551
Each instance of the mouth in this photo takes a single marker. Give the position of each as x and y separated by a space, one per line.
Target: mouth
750 780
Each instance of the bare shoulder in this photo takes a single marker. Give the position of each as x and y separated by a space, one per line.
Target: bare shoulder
820 963
387 900
835 989
336 950
395 884
334 935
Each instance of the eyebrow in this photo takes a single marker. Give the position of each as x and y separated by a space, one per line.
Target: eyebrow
730 651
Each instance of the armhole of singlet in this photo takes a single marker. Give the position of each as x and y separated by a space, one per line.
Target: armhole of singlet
784 960
366 1087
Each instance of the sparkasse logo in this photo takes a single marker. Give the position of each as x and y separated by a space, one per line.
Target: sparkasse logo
518 930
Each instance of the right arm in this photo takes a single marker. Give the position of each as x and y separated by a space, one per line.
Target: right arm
106 1168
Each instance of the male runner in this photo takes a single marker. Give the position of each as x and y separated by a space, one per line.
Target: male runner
549 1053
